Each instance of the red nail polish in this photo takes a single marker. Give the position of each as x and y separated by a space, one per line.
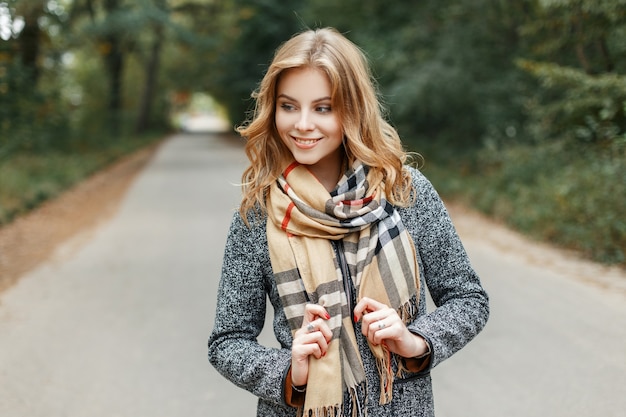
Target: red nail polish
327 316
356 319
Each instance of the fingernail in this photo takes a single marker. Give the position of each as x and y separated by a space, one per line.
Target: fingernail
327 316
356 318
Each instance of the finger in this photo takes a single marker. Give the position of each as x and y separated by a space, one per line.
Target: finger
371 320
322 346
381 324
314 311
378 331
325 330
317 326
307 344
301 351
367 305
310 328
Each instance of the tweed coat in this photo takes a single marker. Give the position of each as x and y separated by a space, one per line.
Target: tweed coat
247 283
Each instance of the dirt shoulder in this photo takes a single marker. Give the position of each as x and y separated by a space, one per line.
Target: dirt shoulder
31 239
477 229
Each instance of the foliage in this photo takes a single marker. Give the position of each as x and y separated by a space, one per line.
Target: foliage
582 107
252 31
573 197
446 68
29 117
578 55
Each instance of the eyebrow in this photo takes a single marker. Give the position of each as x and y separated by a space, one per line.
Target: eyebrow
293 99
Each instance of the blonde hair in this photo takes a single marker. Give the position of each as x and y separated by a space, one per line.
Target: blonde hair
367 136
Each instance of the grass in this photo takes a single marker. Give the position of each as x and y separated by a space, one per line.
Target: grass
29 179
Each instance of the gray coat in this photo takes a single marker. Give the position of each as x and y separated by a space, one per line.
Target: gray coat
247 282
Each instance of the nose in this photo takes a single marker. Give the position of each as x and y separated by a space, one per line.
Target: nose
304 122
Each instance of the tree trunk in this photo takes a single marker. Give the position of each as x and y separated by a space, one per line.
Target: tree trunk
152 71
29 43
609 66
114 65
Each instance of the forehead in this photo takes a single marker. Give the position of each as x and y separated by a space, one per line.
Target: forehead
304 83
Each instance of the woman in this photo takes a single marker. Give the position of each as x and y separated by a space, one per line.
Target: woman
342 237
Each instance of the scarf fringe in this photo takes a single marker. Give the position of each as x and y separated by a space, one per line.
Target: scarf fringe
329 411
357 408
406 312
386 375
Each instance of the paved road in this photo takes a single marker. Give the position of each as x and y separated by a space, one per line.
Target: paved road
116 324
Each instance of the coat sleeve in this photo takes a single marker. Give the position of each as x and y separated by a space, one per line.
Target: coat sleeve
462 303
239 318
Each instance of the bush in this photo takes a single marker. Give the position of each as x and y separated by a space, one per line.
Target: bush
570 196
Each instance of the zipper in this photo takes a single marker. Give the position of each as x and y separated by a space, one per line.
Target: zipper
345 273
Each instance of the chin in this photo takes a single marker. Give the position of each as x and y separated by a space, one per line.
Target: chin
306 161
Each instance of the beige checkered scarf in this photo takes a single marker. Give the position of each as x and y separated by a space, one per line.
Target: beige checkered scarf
303 218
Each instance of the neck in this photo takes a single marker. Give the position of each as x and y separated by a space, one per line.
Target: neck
330 177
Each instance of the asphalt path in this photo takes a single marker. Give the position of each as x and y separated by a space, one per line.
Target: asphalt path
116 324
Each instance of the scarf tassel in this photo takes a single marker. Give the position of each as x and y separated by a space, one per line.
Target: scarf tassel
385 373
406 312
356 408
331 411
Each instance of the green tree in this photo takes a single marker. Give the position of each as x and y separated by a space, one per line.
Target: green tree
112 28
446 68
577 52
29 115
159 13
250 32
131 39
31 38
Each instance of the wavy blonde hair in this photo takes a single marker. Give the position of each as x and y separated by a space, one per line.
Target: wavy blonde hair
367 136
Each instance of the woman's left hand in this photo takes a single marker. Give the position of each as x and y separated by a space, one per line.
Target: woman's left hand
382 324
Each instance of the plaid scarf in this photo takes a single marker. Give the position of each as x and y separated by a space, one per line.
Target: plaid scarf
303 219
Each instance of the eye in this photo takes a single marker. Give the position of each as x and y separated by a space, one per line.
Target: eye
323 109
287 107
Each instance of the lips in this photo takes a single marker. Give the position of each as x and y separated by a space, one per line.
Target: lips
305 141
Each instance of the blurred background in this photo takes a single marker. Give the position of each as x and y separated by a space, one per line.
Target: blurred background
518 107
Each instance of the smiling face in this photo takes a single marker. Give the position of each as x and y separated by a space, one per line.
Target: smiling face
307 124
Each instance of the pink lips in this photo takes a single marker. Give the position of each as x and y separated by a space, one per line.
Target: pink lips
305 142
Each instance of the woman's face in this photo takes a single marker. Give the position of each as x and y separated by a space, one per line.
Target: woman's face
307 123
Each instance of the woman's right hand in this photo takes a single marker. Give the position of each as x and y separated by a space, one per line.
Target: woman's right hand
311 339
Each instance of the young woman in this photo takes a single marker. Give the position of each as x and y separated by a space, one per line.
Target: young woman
343 238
